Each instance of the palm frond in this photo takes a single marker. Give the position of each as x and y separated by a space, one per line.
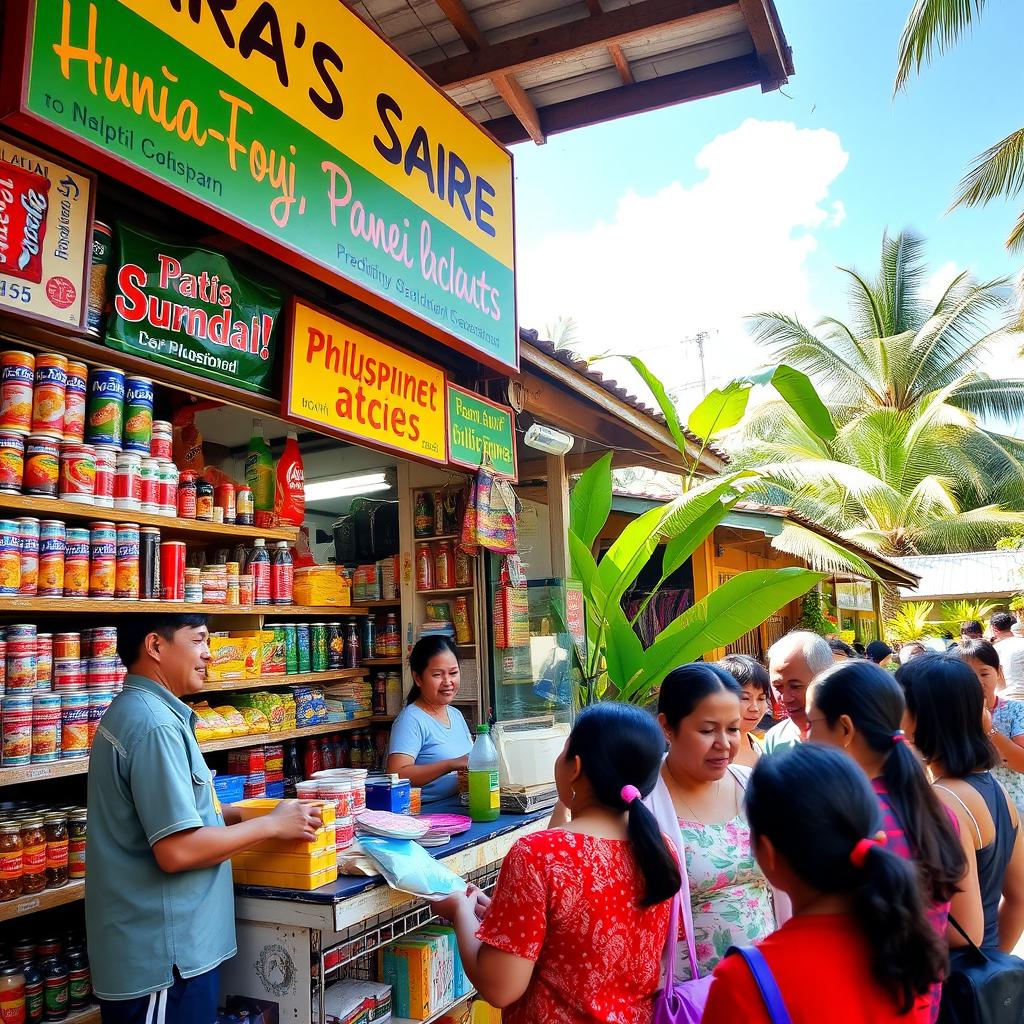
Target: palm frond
868 314
1001 400
911 622
997 172
1015 240
903 273
819 552
933 26
976 529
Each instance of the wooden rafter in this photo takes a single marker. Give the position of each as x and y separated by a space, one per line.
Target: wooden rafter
594 31
696 83
772 51
507 87
521 105
614 50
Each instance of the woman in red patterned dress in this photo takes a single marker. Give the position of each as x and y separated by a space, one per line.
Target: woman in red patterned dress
577 927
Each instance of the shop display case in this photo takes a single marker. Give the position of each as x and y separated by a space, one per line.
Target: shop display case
539 639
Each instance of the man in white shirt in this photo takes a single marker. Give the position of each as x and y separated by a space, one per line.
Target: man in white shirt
1010 649
793 663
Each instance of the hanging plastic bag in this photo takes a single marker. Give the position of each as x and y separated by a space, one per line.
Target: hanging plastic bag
407 867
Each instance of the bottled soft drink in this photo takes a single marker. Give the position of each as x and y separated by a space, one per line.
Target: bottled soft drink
259 474
312 758
292 769
260 569
290 497
282 575
484 794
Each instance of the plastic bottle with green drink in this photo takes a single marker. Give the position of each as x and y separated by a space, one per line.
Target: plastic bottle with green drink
259 474
484 793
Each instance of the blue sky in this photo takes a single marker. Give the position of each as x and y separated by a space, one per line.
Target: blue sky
903 159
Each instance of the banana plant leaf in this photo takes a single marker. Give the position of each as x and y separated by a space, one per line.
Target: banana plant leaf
591 501
741 604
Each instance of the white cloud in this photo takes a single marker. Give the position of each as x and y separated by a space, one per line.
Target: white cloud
938 281
694 257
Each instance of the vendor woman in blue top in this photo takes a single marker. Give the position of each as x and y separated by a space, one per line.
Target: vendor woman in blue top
430 740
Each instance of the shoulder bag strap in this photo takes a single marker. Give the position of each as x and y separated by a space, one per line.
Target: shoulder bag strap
970 942
665 813
766 983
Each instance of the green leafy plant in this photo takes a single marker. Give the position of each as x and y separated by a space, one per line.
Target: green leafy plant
813 617
617 666
1017 603
955 612
912 622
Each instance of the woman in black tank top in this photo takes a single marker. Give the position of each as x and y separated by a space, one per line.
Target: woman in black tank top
946 703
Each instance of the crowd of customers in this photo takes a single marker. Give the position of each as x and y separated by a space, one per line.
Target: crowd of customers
848 859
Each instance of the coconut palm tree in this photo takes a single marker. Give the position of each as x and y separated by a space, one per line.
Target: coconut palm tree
933 27
914 466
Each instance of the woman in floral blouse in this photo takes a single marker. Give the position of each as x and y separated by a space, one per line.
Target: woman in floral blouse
698 802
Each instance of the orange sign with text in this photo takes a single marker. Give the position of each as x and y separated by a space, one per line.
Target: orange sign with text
343 381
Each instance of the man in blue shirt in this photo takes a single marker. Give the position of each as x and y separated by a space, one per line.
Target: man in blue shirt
159 902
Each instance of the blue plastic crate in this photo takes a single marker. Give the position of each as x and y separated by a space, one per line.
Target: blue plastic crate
275 790
230 788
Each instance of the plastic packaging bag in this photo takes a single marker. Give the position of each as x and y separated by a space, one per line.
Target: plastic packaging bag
407 867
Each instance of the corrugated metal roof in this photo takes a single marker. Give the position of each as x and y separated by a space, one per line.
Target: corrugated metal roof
977 573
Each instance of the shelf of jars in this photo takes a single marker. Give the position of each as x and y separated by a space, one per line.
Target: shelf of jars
54 508
98 606
281 735
70 892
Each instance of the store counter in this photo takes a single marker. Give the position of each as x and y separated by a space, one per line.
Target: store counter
292 943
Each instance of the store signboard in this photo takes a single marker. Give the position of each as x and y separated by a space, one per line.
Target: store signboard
293 125
342 381
45 235
477 427
189 308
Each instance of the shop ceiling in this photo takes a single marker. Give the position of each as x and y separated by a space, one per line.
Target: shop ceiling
527 69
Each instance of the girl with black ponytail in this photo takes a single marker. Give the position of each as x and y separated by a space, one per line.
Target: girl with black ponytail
580 914
859 707
859 947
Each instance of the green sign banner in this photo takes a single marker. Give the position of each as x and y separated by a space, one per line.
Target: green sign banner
477 427
294 126
189 308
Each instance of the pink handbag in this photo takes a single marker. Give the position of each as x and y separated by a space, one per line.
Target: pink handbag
681 1002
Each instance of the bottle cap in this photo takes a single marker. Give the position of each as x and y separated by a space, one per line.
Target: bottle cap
483 729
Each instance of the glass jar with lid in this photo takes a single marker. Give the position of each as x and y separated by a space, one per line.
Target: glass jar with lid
56 825
10 860
77 830
33 855
12 991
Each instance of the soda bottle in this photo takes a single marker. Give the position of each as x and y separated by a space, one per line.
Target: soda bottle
326 755
352 645
290 500
259 474
259 567
292 769
282 575
312 758
484 795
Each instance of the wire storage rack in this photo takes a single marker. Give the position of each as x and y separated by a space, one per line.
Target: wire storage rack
355 955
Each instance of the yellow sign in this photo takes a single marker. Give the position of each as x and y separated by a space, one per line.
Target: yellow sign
317 62
346 382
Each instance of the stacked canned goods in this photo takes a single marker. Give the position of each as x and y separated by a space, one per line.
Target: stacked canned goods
45 978
55 687
48 558
35 847
83 436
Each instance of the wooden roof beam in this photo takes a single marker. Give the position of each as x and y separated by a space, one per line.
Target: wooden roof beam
521 105
697 83
597 30
621 64
508 88
776 57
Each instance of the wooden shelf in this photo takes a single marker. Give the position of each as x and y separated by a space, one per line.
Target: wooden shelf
443 536
294 679
103 606
259 739
41 772
375 662
444 593
384 602
45 900
87 1015
53 508
438 1013
35 335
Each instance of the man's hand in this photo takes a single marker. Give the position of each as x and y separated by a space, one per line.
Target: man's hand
296 820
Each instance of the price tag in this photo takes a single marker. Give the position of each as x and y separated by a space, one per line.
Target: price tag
28 905
42 772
